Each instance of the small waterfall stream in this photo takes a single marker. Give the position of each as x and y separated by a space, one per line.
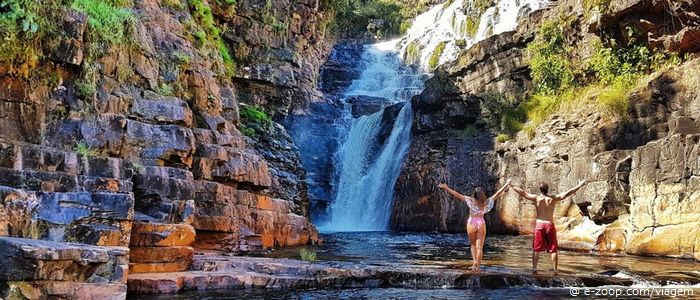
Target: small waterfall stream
368 162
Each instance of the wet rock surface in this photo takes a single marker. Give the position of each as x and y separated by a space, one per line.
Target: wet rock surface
236 273
381 260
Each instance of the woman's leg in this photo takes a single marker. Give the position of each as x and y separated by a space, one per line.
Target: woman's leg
472 232
480 237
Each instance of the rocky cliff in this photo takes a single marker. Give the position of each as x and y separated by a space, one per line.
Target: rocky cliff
125 154
641 198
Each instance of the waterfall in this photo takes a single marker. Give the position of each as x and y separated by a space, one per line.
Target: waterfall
368 162
447 24
365 188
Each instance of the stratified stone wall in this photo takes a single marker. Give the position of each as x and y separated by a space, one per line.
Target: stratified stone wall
153 161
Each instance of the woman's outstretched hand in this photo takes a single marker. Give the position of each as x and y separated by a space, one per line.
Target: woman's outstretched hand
442 186
508 182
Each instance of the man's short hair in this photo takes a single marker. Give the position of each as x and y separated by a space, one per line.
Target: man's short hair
544 187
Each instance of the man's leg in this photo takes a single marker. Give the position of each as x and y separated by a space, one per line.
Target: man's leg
537 247
553 247
535 259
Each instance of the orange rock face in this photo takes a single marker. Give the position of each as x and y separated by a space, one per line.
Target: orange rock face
164 235
230 219
160 267
160 254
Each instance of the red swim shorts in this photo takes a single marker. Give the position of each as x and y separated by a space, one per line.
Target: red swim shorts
545 237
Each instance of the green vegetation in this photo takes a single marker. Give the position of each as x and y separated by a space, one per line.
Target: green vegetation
182 57
247 131
412 54
351 17
137 165
250 113
253 119
502 138
549 65
26 27
269 18
209 35
609 76
82 148
590 5
307 254
474 10
109 20
165 89
175 4
435 57
86 86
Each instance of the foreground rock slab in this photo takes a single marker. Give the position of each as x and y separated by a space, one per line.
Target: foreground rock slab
211 272
37 269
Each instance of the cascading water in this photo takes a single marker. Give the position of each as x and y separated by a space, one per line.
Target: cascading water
448 24
368 162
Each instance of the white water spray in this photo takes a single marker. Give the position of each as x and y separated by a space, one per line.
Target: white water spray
446 23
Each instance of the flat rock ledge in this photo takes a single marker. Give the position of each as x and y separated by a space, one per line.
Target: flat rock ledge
210 272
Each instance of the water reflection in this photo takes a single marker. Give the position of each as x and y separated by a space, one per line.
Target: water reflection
501 253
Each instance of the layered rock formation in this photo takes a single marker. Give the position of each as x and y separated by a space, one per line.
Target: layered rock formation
636 189
137 147
318 130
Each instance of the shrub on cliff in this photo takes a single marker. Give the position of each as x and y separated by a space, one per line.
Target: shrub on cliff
208 34
307 254
550 68
351 17
24 26
109 21
253 119
609 76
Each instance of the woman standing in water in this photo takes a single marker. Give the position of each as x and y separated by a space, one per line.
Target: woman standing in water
476 226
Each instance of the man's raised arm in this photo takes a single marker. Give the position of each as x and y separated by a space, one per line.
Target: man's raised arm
526 195
572 191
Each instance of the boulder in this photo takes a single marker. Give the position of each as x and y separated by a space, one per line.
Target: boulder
361 105
229 165
665 208
167 144
97 218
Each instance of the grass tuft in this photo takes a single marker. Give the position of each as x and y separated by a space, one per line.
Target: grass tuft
307 254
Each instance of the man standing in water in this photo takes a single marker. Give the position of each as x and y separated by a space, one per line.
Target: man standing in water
545 235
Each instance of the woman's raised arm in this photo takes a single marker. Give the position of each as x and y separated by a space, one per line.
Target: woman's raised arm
501 190
452 192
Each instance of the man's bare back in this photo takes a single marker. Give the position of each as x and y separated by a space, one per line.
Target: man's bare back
545 207
544 203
